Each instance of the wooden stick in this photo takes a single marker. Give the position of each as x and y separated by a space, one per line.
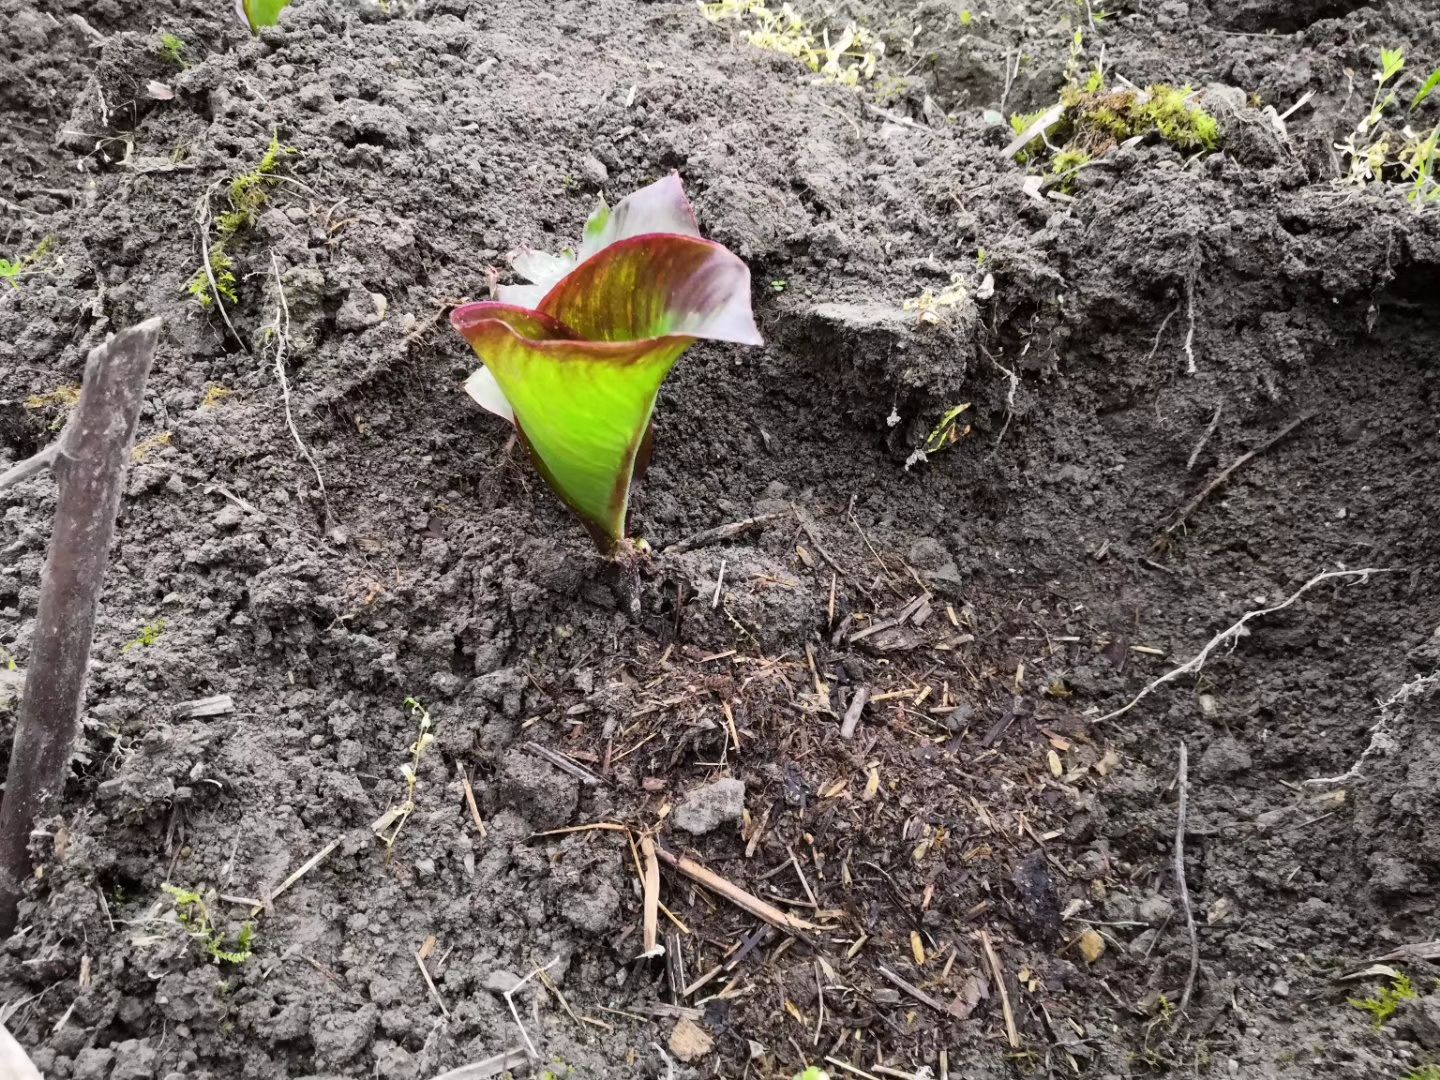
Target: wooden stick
736 895
852 714
1011 1033
470 801
89 462
491 1066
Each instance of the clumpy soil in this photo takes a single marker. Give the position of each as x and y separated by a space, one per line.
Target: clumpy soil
1134 340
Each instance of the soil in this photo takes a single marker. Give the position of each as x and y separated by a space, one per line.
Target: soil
985 795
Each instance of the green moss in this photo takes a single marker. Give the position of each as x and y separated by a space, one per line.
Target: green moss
172 48
194 916
1387 1000
149 634
223 268
250 192
1178 122
1095 119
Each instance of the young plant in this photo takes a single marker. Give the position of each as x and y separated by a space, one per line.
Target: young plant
1387 1000
576 358
11 270
257 14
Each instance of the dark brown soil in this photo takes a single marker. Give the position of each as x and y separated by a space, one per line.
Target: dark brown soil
983 793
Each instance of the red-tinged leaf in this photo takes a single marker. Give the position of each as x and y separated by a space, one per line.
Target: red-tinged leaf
659 208
657 285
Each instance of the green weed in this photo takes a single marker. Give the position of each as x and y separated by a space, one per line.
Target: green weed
194 916
11 270
1425 1072
1384 148
1386 1001
149 634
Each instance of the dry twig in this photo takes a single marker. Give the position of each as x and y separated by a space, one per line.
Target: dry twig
510 1000
1011 1032
1209 489
721 533
281 329
736 895
1183 782
1210 430
652 898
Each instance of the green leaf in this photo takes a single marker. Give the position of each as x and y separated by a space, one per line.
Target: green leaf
1392 62
1426 90
582 407
260 13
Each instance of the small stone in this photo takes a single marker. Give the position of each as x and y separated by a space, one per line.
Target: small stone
1218 911
707 808
593 170
1092 946
1223 758
690 1042
501 981
927 553
1280 988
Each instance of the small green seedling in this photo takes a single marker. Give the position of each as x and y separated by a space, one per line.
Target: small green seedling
813 1073
1383 1005
172 48
11 270
1426 90
149 634
1383 150
194 916
948 431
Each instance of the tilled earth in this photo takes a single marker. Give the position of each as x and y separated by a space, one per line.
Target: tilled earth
987 866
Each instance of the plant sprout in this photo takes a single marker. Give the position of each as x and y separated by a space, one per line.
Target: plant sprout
575 359
257 14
